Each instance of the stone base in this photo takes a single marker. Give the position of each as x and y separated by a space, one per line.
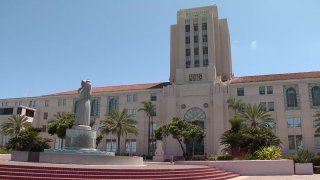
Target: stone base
80 137
89 159
158 158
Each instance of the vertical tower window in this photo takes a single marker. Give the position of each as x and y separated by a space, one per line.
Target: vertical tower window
188 52
113 103
291 95
195 27
204 26
315 94
196 39
205 50
187 28
95 107
187 39
196 51
205 38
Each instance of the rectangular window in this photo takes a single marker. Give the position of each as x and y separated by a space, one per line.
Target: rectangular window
293 122
204 26
195 27
205 50
111 145
315 121
19 110
46 103
196 39
187 28
188 52
295 142
196 51
64 102
153 97
44 128
264 105
16 104
30 103
270 106
188 64
269 90
29 113
196 63
129 98
240 91
205 62
131 146
188 40
317 141
34 103
195 77
6 111
59 102
45 115
205 38
132 112
262 90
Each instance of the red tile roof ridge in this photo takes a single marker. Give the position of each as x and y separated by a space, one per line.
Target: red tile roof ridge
118 88
275 77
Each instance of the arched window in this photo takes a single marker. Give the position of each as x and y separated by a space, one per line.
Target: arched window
291 97
95 107
112 104
75 106
315 94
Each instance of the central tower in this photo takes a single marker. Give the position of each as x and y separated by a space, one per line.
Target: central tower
200 47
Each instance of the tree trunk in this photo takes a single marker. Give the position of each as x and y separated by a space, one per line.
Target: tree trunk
152 136
149 117
61 143
118 146
183 150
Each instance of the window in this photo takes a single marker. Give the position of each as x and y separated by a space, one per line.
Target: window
262 90
205 62
270 123
113 104
131 146
204 26
205 50
29 113
75 106
270 106
187 52
132 98
95 107
317 141
195 27
293 122
132 112
45 115
153 127
196 51
46 103
153 97
269 90
196 63
295 142
111 145
19 110
196 39
188 64
59 102
315 94
263 105
44 128
30 103
240 91
205 38
315 121
6 111
188 28
64 102
16 104
291 95
188 40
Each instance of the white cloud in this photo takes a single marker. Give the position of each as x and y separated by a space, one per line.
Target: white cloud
254 44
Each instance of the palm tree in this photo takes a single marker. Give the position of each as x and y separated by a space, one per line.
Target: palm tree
118 123
149 109
60 123
317 121
254 114
235 104
15 125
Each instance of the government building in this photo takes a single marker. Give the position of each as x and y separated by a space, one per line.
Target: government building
201 82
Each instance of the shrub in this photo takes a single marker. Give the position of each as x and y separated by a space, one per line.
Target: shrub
224 156
268 153
4 151
199 158
316 161
304 156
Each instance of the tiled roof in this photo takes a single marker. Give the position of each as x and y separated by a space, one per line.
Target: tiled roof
275 77
119 88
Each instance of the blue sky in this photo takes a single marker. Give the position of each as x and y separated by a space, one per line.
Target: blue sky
49 46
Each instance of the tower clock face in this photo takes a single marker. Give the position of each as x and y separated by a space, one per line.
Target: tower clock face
195 114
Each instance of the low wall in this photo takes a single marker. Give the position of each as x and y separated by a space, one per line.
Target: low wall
249 167
89 159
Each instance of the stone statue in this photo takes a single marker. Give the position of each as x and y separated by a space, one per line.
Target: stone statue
83 107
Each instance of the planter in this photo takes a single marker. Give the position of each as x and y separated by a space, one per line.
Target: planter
303 168
25 156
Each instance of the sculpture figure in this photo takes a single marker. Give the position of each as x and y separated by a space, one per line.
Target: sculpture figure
83 106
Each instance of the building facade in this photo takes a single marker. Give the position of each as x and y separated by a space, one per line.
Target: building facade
201 81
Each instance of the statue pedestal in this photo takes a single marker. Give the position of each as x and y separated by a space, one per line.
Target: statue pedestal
159 153
80 138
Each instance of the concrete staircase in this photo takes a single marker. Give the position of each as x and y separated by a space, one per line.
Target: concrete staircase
20 172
